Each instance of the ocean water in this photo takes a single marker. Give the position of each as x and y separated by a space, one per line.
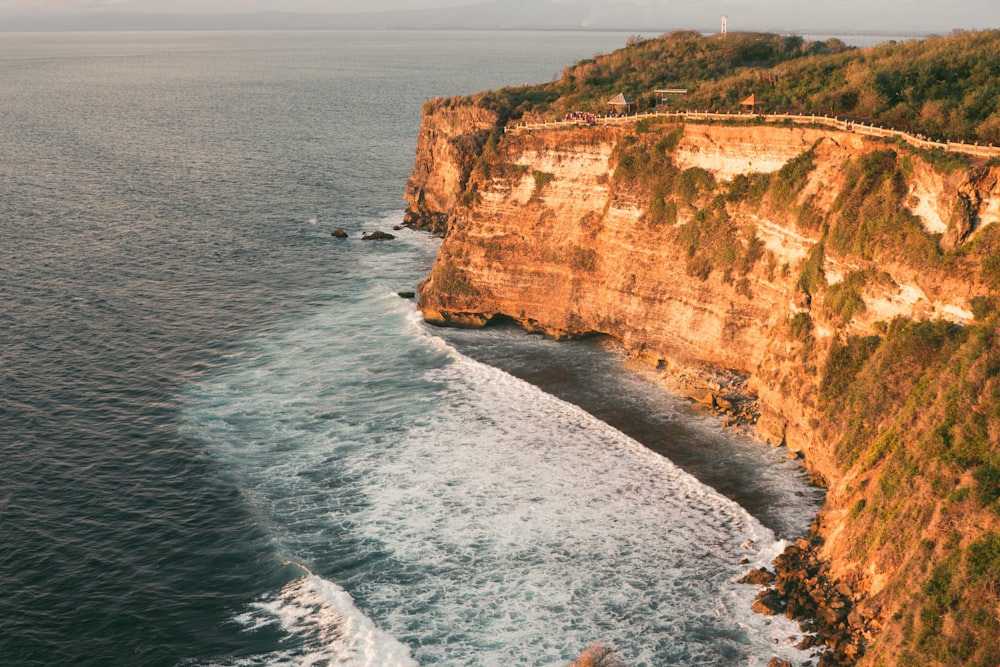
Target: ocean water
227 441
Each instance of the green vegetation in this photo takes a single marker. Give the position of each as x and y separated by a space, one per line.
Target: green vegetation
870 220
645 164
958 622
487 155
749 188
683 59
800 326
787 182
843 300
919 407
982 306
712 241
914 411
938 87
542 178
449 279
944 162
986 246
812 278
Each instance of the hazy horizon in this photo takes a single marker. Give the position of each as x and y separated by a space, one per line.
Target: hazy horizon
826 16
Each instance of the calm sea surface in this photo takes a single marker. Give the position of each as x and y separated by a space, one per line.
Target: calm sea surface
226 441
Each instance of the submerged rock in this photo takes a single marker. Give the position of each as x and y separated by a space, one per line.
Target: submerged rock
377 236
339 233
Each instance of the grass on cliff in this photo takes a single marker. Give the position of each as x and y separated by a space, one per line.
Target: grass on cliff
985 248
690 202
844 301
918 409
870 220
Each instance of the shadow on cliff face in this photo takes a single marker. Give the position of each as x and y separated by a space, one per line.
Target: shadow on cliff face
590 374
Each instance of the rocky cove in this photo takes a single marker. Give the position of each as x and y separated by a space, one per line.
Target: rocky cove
830 290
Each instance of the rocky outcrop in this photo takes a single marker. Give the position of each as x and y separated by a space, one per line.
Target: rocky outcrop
671 241
377 235
450 141
802 590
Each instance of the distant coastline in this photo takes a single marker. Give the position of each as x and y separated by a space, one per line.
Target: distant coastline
387 21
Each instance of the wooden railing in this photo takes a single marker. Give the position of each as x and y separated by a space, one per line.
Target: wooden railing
981 150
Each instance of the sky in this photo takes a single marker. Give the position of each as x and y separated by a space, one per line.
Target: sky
222 6
929 16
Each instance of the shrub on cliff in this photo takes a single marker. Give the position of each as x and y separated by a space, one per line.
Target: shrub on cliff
748 188
870 220
843 301
986 248
812 279
714 243
788 182
915 412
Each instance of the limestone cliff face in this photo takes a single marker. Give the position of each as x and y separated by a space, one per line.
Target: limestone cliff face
561 231
450 141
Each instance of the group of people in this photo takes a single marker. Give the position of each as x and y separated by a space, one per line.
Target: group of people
586 117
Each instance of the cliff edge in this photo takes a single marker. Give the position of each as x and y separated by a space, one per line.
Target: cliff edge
853 280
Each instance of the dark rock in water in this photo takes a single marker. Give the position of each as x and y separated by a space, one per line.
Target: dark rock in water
760 577
824 607
768 603
397 228
339 233
377 236
406 295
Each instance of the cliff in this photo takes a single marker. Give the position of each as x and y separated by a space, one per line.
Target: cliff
450 141
853 281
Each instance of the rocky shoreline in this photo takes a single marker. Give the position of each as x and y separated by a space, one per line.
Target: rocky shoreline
724 393
800 587
828 611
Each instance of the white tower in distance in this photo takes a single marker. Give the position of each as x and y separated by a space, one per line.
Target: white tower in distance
723 26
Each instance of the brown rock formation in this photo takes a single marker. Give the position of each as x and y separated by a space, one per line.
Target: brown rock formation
568 233
449 143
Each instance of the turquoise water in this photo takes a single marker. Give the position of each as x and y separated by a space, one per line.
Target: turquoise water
226 441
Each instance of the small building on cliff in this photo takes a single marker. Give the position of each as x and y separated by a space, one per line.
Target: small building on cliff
622 104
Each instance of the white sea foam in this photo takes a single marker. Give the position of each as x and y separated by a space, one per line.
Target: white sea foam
471 516
330 629
327 627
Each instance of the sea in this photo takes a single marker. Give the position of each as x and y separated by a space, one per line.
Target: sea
227 440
